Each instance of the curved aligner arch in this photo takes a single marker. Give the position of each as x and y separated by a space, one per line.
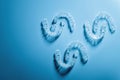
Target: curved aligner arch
64 66
50 33
91 36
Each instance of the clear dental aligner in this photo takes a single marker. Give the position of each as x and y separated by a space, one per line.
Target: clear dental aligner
90 34
65 65
50 32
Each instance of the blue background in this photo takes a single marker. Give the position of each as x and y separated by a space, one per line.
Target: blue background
26 55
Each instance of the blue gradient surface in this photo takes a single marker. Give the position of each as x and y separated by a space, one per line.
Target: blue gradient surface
26 55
